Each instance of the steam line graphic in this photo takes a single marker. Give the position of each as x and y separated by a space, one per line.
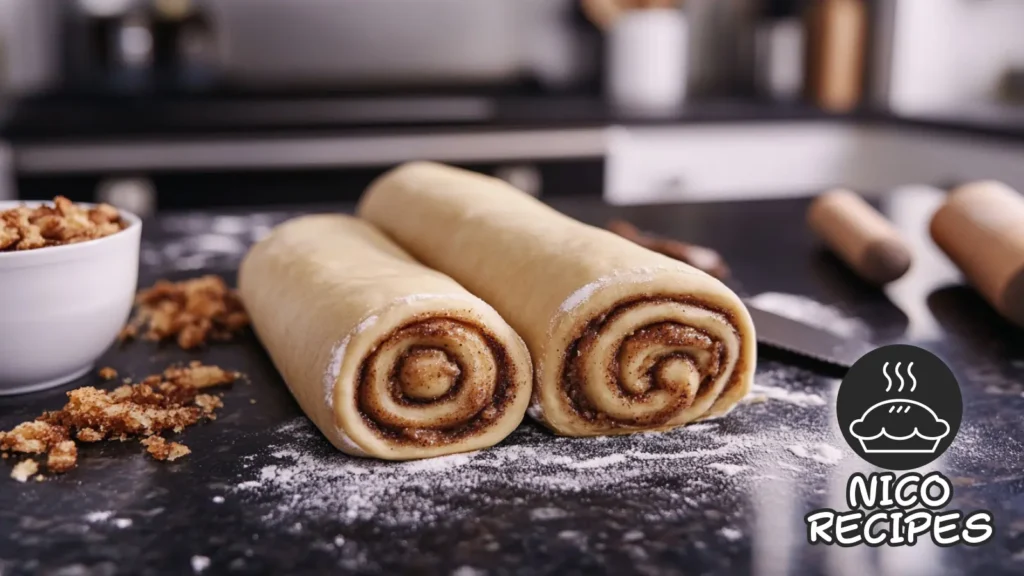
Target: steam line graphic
913 380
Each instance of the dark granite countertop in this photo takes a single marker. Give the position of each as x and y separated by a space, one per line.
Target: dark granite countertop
263 493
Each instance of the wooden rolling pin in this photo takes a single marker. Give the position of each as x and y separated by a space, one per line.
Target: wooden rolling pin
981 228
860 236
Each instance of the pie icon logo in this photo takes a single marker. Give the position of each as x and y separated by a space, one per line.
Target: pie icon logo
899 407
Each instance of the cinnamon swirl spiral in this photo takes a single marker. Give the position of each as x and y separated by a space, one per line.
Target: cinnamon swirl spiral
647 363
622 339
390 359
434 382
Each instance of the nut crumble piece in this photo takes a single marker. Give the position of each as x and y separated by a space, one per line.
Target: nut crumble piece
161 449
24 470
32 437
163 402
8 235
208 403
62 457
89 435
198 376
193 312
107 373
64 222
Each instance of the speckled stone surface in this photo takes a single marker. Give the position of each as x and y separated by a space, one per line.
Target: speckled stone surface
262 493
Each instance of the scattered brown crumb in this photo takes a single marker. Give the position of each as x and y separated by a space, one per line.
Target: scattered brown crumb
32 437
161 449
62 457
208 403
700 257
163 402
24 470
108 373
195 375
40 478
64 222
193 312
89 435
252 400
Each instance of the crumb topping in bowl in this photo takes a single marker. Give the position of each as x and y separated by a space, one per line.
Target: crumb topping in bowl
29 228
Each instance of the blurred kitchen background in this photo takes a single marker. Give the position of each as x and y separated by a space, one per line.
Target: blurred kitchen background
191 103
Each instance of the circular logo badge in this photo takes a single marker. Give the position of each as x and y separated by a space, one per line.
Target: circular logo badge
899 407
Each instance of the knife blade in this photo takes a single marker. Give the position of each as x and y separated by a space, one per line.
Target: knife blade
773 330
780 332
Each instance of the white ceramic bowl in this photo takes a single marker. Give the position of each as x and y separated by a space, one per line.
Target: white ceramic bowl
61 307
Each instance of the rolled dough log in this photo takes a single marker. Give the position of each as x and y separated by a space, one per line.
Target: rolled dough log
623 339
389 358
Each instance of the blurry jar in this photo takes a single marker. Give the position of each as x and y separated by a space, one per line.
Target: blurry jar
647 60
779 52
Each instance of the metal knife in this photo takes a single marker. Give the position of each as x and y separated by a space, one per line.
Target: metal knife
793 336
772 329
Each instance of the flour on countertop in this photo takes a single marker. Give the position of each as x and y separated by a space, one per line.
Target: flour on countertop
99 516
599 462
813 313
199 564
823 453
547 513
795 397
301 477
196 241
731 534
633 536
727 469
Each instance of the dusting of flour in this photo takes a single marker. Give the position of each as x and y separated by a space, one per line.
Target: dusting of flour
199 241
823 453
795 397
812 312
300 476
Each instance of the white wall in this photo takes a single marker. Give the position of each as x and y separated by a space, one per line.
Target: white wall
950 52
356 40
28 41
397 40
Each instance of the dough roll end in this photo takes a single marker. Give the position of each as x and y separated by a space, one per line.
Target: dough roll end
645 350
390 359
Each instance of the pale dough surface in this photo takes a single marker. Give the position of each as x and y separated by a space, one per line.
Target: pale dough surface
549 276
327 292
